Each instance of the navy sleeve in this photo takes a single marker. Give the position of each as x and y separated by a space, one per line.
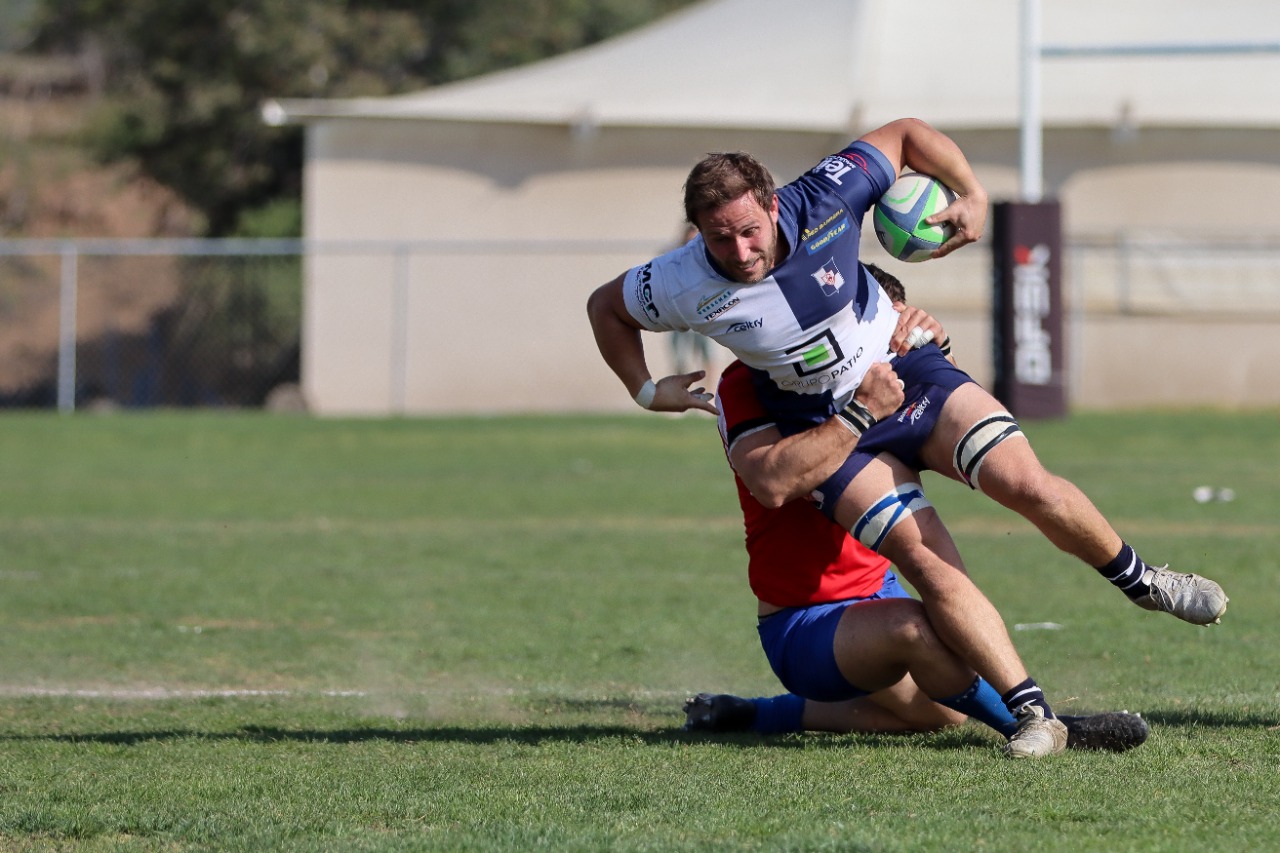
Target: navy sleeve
859 175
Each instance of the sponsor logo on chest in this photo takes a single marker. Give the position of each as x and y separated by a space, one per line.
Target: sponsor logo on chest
825 240
716 304
745 326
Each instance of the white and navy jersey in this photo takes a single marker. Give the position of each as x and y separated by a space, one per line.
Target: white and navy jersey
809 330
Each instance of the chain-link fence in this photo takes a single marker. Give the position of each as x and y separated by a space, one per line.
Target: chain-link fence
1163 275
145 323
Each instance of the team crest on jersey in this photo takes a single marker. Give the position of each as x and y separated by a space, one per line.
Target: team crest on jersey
829 278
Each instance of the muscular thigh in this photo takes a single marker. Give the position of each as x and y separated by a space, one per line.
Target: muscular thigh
966 410
871 640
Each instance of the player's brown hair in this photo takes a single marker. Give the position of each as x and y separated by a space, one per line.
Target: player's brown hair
721 177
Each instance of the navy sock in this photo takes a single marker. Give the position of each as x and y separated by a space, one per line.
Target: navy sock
1026 693
1126 572
984 704
777 715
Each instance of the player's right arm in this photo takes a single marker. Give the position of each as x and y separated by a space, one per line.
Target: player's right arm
617 336
777 469
917 145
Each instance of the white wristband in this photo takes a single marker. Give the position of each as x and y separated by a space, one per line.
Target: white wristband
646 394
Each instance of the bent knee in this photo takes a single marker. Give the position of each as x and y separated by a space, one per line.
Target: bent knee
1032 489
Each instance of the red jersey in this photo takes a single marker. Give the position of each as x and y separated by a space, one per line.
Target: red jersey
796 556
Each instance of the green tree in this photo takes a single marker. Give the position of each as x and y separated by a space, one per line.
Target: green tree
185 78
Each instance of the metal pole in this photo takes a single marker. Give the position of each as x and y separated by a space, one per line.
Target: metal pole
67 330
1031 131
400 331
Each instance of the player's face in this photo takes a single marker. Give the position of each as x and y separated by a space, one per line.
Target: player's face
742 237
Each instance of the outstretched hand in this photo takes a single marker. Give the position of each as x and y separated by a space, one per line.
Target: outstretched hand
673 394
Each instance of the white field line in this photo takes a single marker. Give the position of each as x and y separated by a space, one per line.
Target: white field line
21 691
159 693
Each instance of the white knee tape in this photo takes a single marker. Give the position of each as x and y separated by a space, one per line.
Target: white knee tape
981 438
886 513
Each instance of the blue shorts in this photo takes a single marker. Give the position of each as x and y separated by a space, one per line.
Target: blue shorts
800 645
930 380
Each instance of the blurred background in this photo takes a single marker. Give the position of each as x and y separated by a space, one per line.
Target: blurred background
376 207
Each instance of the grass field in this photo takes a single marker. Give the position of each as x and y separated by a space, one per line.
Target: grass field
244 632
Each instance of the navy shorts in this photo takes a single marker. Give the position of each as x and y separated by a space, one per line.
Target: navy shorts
930 380
800 645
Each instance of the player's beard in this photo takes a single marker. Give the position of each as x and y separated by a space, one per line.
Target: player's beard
760 270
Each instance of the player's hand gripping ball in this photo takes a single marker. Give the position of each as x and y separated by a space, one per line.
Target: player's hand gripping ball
900 214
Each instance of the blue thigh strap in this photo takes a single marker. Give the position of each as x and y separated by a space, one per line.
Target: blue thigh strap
885 514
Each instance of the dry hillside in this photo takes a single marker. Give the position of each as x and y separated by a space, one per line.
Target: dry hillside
49 188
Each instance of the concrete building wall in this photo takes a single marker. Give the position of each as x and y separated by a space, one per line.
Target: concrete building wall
516 224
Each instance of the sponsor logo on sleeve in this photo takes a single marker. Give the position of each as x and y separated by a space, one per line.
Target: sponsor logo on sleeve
837 167
644 291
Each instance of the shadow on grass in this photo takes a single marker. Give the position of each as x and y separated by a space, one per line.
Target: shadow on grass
965 737
529 735
1213 719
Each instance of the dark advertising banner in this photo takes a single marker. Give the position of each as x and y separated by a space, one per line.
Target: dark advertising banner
1030 368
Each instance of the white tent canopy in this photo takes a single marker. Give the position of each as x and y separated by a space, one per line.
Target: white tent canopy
842 66
510 196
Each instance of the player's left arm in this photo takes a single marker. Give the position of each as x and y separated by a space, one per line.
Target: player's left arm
917 145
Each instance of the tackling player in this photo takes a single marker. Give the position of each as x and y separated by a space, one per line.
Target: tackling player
856 652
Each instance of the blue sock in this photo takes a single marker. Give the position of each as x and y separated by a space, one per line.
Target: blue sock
777 715
1126 572
982 703
1026 693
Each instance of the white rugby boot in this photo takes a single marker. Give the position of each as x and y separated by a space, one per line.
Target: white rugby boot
1191 598
1037 735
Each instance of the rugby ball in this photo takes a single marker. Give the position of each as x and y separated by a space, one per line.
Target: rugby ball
900 214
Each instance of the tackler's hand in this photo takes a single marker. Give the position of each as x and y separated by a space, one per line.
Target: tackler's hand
915 329
879 395
881 391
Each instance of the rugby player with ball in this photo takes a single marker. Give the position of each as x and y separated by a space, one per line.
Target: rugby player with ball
774 276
